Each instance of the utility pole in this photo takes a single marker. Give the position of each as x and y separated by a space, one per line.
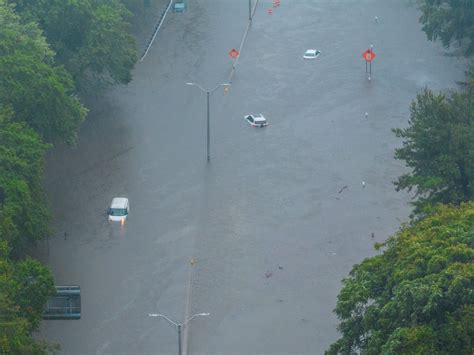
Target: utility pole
208 129
179 339
178 326
208 94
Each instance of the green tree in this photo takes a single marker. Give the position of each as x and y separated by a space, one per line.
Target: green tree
468 86
417 297
24 215
18 320
137 6
33 284
438 146
42 96
449 20
39 92
90 38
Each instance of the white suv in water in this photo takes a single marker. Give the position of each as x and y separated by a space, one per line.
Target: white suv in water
256 120
119 210
311 54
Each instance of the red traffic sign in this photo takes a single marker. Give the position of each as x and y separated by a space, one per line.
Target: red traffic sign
368 55
234 53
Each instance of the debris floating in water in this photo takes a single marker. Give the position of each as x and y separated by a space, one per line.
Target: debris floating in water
342 189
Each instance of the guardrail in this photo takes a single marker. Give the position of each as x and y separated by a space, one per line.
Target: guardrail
155 31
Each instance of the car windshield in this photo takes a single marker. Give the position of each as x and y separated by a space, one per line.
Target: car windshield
117 211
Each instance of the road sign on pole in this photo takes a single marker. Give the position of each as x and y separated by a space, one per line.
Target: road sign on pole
368 55
234 53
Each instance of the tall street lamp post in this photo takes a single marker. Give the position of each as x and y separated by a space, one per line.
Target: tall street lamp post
208 93
178 326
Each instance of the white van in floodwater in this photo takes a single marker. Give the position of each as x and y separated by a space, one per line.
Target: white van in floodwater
119 210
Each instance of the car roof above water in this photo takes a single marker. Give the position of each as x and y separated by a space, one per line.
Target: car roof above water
119 202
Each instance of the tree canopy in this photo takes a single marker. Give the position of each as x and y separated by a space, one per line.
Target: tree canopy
449 20
24 217
438 146
24 214
39 92
24 288
90 38
417 297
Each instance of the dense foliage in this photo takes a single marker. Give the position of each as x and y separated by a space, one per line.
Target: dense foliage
23 209
24 285
449 20
90 37
31 283
417 297
39 92
438 146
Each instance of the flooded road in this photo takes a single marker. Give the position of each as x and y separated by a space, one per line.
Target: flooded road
279 215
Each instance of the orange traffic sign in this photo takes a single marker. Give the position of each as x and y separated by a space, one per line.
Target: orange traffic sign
368 55
234 53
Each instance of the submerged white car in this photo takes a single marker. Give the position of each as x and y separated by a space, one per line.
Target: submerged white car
311 54
119 210
256 120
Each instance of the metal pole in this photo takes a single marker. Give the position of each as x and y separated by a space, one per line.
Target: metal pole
370 64
470 99
208 130
179 326
208 94
179 339
250 10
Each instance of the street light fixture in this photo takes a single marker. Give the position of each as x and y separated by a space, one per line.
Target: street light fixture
178 326
208 93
